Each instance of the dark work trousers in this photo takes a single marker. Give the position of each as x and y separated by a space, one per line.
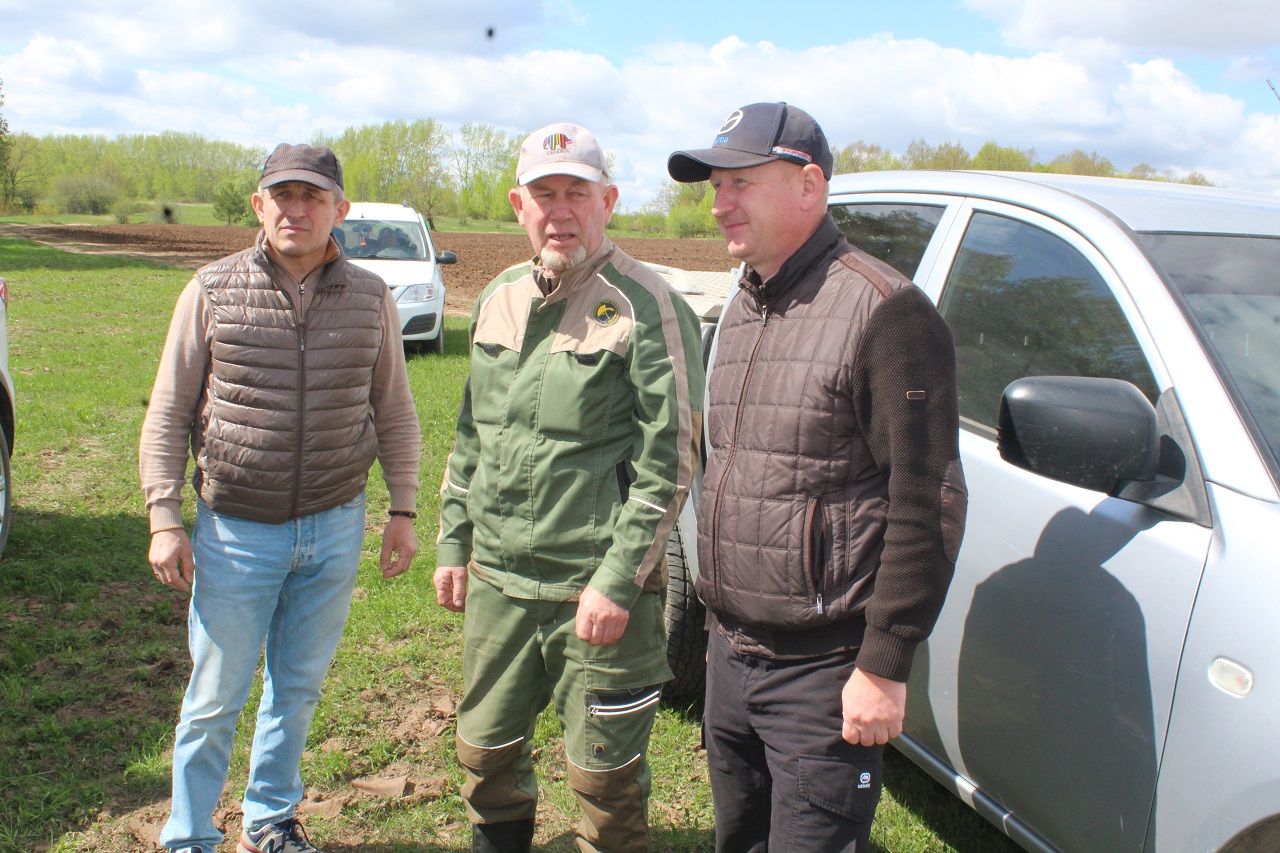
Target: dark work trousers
782 777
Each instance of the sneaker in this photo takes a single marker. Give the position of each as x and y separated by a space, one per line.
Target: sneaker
287 836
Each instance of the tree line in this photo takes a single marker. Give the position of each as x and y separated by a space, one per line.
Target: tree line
463 175
686 208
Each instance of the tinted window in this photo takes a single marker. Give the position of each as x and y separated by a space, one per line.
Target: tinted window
1022 302
386 239
1232 292
895 233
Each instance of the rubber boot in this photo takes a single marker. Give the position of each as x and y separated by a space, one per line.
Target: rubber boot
512 836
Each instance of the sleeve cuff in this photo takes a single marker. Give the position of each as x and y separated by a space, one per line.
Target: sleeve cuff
403 497
613 586
166 515
886 655
452 554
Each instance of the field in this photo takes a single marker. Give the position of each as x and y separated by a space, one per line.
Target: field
92 650
480 255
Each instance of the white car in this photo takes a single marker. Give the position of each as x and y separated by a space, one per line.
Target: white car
1105 672
393 241
6 419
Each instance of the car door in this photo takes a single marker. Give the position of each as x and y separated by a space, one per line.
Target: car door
1047 682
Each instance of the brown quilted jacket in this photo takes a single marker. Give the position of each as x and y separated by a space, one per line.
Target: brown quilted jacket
833 502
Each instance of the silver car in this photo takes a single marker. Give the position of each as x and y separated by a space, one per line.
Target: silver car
1105 673
393 241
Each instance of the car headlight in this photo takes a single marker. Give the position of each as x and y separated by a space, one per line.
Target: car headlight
417 293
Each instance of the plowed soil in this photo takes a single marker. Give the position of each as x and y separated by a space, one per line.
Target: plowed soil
480 256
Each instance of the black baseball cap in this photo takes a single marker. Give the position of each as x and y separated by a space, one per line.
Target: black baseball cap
316 166
755 134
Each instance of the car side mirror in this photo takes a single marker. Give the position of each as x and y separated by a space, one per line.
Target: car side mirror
1088 431
446 257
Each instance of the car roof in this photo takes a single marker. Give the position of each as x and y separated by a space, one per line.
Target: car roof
381 210
1141 205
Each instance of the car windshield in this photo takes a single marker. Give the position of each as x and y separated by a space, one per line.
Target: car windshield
381 238
1230 285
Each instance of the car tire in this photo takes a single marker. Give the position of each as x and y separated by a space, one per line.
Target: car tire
436 344
685 619
6 493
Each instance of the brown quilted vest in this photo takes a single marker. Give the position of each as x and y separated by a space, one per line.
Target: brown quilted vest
286 429
793 508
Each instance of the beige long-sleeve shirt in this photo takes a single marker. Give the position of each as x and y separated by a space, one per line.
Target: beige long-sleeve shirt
179 389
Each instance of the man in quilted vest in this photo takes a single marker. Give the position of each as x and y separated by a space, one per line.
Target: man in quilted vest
576 448
283 375
833 501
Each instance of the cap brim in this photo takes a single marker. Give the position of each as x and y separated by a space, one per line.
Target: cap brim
304 175
565 167
689 167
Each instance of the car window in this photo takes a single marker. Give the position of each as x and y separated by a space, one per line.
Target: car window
895 233
1231 292
1021 301
384 239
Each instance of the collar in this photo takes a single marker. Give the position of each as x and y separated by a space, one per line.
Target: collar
561 285
269 257
795 268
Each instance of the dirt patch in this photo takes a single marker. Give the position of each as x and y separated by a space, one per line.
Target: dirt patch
414 718
481 256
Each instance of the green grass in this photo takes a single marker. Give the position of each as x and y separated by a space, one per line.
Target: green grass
480 226
57 218
184 213
92 650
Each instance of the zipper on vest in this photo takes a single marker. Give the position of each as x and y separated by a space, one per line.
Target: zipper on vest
733 452
815 544
302 399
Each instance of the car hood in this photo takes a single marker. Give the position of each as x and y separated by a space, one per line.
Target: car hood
398 272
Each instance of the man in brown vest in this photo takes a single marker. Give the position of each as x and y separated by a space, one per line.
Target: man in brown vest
283 374
833 501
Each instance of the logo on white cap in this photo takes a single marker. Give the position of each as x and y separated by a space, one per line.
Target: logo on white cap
557 143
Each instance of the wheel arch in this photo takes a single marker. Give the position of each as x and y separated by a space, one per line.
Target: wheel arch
6 414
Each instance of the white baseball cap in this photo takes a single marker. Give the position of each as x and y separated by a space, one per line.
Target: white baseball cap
560 149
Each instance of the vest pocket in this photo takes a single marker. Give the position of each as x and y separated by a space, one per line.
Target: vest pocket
815 549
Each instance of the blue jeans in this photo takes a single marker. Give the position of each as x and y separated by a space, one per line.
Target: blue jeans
288 586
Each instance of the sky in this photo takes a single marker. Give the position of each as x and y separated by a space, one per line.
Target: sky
1179 85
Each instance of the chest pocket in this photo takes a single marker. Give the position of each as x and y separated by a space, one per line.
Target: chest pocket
492 366
579 391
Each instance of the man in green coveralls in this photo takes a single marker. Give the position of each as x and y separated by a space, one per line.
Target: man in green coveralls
577 443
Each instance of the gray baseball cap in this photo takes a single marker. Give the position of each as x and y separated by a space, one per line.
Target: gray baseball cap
316 166
560 149
756 134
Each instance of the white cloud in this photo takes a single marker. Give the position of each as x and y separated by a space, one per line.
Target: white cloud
1159 102
248 74
1225 25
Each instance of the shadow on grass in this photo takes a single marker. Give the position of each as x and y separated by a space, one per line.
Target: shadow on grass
661 842
961 829
92 665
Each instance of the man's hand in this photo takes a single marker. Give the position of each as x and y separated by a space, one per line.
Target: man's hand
451 587
171 559
873 708
600 622
399 544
